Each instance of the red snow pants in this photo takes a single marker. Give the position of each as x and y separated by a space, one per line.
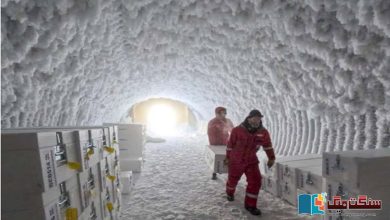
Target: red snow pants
253 178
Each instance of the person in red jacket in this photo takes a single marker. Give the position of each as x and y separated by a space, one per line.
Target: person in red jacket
245 140
219 127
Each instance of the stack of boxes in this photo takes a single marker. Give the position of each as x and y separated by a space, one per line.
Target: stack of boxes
289 172
352 173
60 173
281 179
132 139
310 180
344 173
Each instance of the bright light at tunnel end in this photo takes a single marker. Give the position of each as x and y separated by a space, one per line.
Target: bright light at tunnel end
162 120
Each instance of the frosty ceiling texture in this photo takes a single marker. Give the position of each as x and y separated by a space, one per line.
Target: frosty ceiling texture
319 70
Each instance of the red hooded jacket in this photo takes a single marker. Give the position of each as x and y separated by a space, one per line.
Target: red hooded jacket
218 131
243 145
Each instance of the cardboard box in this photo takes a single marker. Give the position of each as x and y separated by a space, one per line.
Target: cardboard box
336 188
108 206
215 156
310 179
289 171
274 170
361 169
131 140
51 204
272 186
134 165
90 185
128 150
36 161
93 211
126 178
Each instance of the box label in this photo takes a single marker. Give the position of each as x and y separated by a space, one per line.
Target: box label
48 168
51 212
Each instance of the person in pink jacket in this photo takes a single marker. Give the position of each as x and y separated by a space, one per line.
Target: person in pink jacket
219 128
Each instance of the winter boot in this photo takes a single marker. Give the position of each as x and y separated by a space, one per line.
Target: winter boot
230 198
253 210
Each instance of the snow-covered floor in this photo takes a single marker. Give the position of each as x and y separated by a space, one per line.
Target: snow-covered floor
175 183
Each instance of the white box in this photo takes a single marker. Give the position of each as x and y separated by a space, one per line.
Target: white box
359 169
107 144
106 202
335 188
136 132
289 192
288 169
90 149
83 139
289 177
30 161
52 203
310 179
215 156
114 160
104 170
273 171
93 211
109 178
116 187
98 135
272 186
130 149
127 151
134 165
89 184
132 138
338 188
113 132
126 178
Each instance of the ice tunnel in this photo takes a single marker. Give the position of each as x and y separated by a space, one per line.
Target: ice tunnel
319 70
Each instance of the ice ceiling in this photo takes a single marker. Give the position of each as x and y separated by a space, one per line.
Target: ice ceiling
319 70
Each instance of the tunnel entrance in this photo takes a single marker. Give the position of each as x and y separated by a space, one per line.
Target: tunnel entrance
164 117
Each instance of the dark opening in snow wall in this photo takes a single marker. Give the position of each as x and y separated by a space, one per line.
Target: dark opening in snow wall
318 70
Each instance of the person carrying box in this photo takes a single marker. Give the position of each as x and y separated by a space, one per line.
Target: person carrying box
219 128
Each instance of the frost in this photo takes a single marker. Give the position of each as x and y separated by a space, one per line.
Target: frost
86 62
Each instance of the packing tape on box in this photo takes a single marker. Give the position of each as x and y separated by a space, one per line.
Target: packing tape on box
109 149
110 177
74 165
90 151
92 192
71 214
110 207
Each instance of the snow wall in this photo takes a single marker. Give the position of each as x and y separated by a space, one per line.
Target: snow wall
318 70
